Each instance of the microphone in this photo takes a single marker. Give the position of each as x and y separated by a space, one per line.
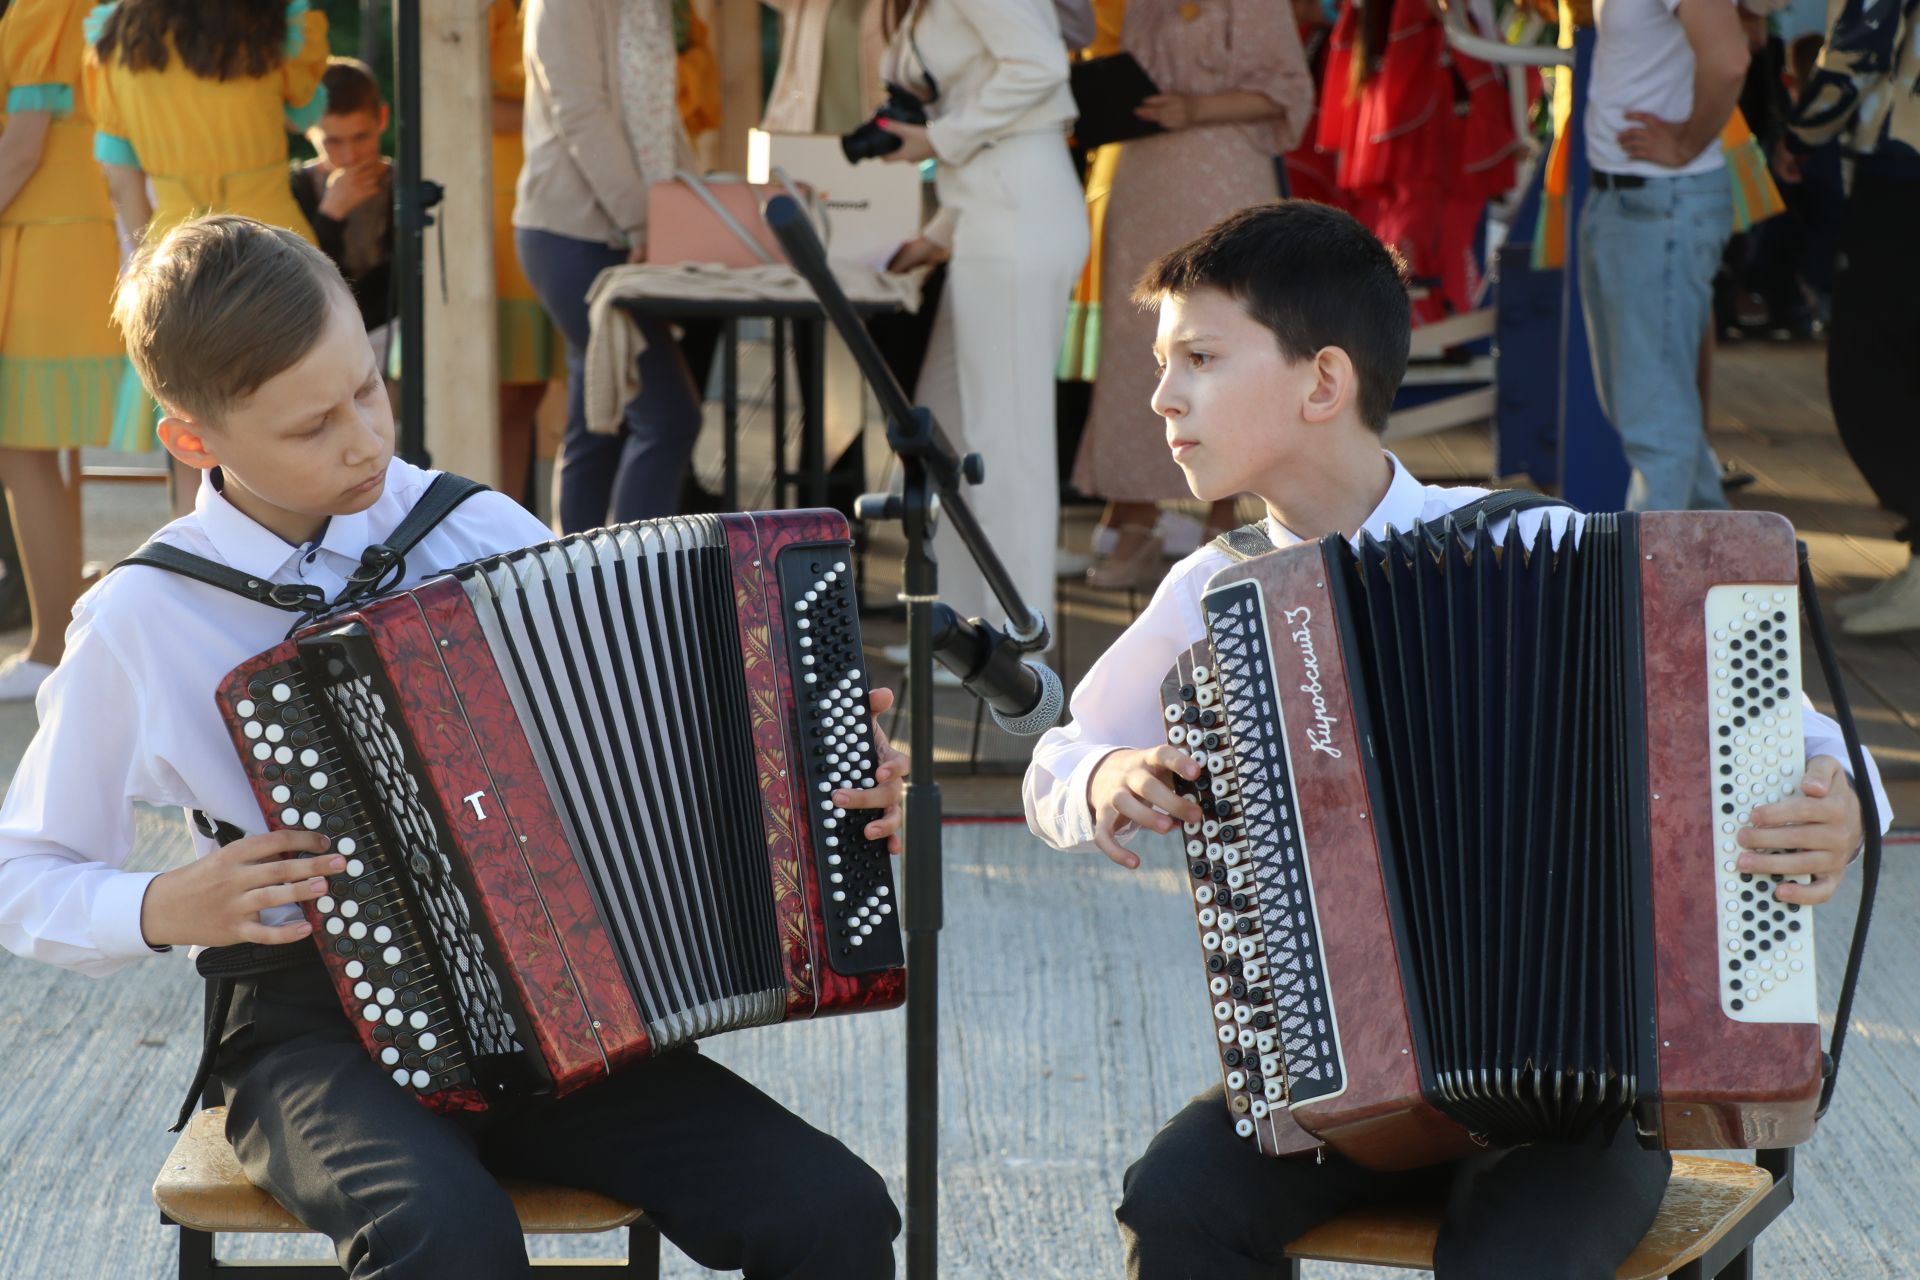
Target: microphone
1025 696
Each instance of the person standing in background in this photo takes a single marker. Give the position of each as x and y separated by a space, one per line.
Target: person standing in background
600 123
197 97
1865 94
1235 95
1666 75
62 367
828 80
1013 221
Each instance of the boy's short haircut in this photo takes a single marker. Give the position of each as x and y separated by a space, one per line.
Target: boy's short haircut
1312 275
350 87
217 306
1803 55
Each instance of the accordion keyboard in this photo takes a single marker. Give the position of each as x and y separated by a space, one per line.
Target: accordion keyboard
418 1026
1753 665
837 750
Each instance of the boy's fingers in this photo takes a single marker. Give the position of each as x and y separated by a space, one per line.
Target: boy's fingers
879 700
1824 776
276 844
279 895
1109 845
1162 796
1812 894
270 935
1167 756
1800 862
294 870
1140 813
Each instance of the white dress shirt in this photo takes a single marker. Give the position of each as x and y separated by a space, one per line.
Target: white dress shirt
1118 704
129 715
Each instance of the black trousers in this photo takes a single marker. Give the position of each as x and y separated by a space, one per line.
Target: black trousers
1203 1203
1873 375
729 1175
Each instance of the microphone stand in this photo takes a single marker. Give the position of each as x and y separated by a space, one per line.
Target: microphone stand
933 474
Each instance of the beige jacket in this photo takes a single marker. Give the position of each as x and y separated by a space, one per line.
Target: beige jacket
794 103
579 178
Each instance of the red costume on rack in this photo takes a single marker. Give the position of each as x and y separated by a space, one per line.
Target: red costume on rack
1424 137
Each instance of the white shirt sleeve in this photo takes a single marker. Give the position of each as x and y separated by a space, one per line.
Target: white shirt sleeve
1116 706
1823 738
66 826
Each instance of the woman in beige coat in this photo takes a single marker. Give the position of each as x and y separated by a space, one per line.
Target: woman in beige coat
829 76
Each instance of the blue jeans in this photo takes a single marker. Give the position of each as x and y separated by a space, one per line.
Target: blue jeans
1647 260
636 474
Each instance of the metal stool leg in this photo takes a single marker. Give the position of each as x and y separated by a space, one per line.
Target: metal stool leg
643 1251
196 1254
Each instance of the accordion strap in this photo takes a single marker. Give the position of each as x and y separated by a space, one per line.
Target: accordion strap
1251 540
381 565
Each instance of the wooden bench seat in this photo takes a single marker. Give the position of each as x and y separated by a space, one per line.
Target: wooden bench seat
1704 1201
202 1189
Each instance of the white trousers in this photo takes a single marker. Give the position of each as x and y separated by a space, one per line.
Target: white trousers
1020 240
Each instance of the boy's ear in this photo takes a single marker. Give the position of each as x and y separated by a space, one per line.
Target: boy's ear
383 117
183 439
1332 389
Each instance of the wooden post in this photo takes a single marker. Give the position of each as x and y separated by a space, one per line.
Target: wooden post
456 151
736 39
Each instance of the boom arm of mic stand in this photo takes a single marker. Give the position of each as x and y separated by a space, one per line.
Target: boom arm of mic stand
913 433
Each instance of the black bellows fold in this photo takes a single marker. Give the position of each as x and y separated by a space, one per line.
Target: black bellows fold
1502 690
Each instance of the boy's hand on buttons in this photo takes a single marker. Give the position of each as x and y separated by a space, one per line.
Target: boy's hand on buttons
1814 833
1136 787
217 899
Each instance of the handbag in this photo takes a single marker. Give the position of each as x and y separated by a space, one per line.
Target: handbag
719 219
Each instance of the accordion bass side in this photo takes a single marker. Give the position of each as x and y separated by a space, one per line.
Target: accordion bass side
1467 870
584 793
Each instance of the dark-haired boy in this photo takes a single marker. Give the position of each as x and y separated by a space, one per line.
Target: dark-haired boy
1283 335
256 353
346 190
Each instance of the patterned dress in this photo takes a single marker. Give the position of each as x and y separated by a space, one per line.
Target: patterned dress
63 371
1168 188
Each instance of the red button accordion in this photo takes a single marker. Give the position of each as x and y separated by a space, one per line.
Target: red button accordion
1467 872
584 791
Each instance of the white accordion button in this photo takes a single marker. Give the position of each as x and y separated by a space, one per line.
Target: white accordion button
280 795
371 1013
251 729
291 817
281 755
391 955
309 758
383 935
362 990
324 905
428 1042
394 1018
357 930
245 706
262 751
281 693
317 781
421 1079
389 1055
355 867
345 846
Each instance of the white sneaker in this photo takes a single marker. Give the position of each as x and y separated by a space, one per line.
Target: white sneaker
1896 607
20 679
1070 565
1860 601
897 654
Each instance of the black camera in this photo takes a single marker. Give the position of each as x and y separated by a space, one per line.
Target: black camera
870 141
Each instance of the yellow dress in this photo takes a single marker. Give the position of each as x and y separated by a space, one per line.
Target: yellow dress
211 146
532 348
1080 348
62 367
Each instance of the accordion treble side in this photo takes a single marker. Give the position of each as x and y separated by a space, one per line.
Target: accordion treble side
1476 810
580 788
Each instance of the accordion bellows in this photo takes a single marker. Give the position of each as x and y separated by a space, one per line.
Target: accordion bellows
1467 871
585 793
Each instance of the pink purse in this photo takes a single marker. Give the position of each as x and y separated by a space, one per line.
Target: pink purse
716 220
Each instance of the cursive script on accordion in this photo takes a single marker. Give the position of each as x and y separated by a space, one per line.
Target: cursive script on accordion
1467 871
585 791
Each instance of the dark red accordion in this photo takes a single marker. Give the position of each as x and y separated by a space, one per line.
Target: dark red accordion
1467 871
585 793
